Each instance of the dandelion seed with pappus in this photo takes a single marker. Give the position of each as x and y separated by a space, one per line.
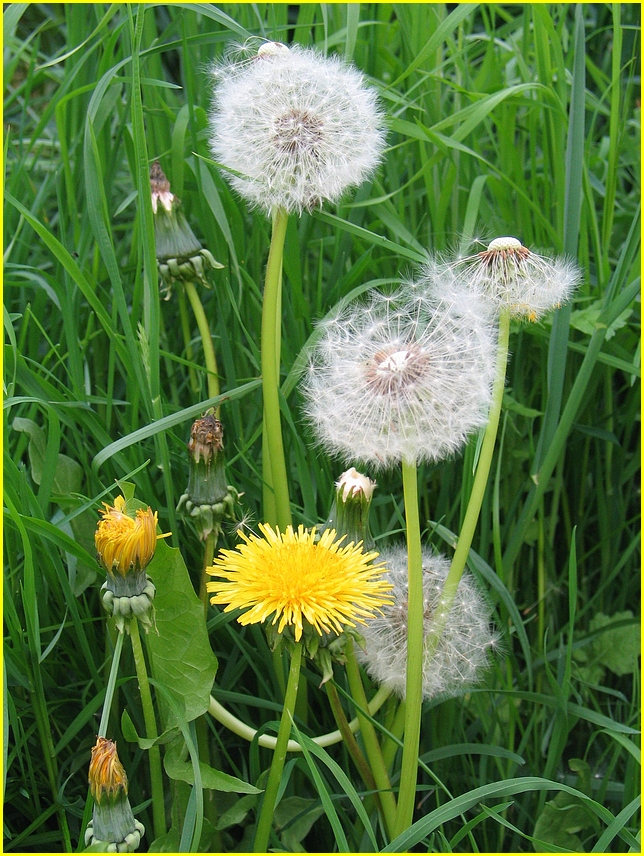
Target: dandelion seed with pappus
465 646
296 127
401 378
514 278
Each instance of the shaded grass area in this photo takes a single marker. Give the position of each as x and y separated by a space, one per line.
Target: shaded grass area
519 120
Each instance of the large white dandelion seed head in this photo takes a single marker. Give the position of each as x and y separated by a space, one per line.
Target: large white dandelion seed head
400 378
298 127
512 277
464 649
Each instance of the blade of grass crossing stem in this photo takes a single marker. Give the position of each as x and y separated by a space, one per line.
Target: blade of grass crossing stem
495 790
615 826
150 277
614 135
323 793
558 348
610 312
310 748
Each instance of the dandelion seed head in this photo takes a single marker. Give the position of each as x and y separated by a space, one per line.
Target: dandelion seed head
399 379
296 127
464 649
510 276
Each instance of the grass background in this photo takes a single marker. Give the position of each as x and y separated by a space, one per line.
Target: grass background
503 119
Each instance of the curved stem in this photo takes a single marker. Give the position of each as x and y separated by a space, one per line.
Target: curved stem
372 747
206 340
263 830
266 741
414 676
478 492
271 339
158 810
111 683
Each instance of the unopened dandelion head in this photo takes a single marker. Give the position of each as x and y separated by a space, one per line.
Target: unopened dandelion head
294 127
514 278
465 646
400 378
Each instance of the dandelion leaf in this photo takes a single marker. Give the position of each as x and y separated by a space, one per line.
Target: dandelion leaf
565 816
294 817
68 474
617 647
211 779
182 658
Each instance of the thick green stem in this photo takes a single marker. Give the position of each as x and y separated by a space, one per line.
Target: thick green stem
271 338
349 740
111 684
263 831
397 729
187 341
156 780
414 675
209 548
478 491
372 747
206 340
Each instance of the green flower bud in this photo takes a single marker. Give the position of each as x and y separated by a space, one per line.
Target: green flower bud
208 498
180 256
350 510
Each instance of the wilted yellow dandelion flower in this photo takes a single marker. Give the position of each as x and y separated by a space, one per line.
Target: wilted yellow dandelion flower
107 776
295 578
125 542
113 828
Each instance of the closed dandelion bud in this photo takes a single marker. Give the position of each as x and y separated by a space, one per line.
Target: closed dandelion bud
113 825
464 648
208 498
349 514
514 278
294 127
125 539
180 256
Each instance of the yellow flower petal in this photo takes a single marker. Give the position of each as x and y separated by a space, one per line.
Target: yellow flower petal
296 580
123 542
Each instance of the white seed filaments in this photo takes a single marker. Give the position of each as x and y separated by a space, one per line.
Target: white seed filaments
465 646
400 378
511 277
295 127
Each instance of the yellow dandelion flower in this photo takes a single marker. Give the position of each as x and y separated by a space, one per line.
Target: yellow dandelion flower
107 777
296 579
125 542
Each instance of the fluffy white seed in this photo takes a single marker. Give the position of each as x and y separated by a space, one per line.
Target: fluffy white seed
465 646
298 127
406 377
511 276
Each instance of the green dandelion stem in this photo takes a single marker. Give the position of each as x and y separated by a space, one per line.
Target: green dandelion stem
349 740
267 741
206 340
156 780
397 728
271 340
414 676
111 684
372 747
209 548
263 831
185 332
470 521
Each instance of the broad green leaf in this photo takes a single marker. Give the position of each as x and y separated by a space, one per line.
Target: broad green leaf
617 648
69 473
564 816
182 658
210 778
298 816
